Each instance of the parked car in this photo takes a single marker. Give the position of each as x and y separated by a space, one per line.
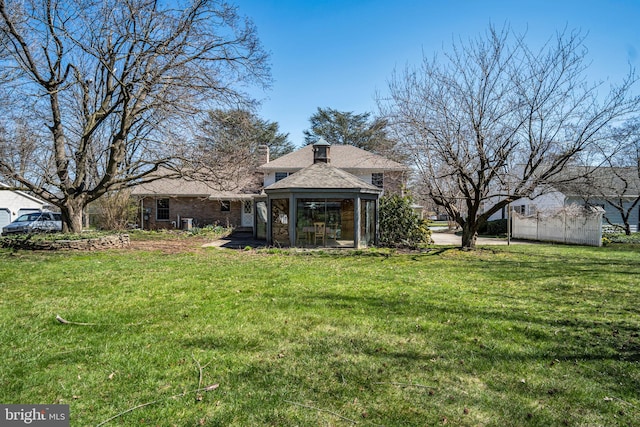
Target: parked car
35 222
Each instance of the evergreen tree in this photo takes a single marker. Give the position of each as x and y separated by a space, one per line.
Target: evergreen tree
348 128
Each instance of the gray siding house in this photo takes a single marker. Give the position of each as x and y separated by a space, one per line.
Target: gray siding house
615 189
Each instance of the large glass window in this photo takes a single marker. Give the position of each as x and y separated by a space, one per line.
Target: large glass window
367 222
324 222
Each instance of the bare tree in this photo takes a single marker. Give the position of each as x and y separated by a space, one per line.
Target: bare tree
108 89
616 179
495 120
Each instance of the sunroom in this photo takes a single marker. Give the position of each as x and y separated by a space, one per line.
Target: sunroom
320 206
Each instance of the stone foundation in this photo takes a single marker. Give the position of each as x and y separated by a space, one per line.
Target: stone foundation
118 241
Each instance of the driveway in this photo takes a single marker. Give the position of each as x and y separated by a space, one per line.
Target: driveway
450 239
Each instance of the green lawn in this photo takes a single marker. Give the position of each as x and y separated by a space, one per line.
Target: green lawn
509 336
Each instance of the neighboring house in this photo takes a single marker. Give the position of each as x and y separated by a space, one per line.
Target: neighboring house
547 201
613 189
338 186
15 203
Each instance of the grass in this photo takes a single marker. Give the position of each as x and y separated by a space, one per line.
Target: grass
535 335
209 231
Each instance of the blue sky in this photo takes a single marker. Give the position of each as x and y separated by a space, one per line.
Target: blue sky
339 53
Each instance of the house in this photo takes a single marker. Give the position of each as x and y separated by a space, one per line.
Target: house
546 201
324 195
169 203
335 185
614 189
15 203
371 168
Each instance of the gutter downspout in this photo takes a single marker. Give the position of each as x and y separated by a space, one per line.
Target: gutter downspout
142 213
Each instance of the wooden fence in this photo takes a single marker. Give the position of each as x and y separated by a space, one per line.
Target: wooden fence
571 224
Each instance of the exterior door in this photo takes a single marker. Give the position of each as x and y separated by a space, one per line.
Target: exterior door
247 213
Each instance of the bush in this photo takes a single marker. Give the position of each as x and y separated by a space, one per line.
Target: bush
620 238
52 237
210 231
498 226
400 226
115 211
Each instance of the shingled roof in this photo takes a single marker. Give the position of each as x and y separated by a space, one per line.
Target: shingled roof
322 176
605 181
188 187
345 157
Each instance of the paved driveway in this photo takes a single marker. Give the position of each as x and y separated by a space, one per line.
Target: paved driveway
450 239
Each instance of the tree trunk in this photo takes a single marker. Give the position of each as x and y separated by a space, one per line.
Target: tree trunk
72 215
469 235
625 218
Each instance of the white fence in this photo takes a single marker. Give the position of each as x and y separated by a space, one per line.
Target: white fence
571 224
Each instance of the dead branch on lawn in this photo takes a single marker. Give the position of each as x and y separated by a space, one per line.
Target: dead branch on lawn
208 388
200 373
69 322
608 399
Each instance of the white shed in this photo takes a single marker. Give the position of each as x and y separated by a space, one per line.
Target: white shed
15 203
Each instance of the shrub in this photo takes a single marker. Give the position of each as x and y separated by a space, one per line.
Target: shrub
400 226
114 211
52 237
498 226
620 238
210 231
